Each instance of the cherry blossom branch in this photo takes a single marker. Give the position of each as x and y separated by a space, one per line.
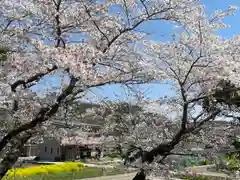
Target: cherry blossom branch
126 11
174 73
236 117
210 117
165 148
145 7
11 20
122 31
47 112
198 58
32 79
215 18
197 117
190 69
44 114
193 64
108 82
8 24
95 24
198 82
58 23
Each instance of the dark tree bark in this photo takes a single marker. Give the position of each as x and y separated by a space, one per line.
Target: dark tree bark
140 175
32 80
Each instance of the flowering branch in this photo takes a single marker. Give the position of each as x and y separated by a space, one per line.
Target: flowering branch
35 78
44 114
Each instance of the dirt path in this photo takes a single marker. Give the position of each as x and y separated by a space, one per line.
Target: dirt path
116 177
99 165
202 170
128 176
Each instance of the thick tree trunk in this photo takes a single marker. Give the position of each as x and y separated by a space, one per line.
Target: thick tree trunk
165 149
13 154
140 175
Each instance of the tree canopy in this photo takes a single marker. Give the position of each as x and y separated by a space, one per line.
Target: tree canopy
98 43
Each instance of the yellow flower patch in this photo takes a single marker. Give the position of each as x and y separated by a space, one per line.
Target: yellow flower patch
45 169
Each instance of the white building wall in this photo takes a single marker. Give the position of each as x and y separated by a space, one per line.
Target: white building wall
32 150
49 149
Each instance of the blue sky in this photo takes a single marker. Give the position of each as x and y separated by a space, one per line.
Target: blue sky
161 31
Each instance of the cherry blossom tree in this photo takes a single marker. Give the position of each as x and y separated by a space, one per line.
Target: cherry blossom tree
203 68
93 44
87 41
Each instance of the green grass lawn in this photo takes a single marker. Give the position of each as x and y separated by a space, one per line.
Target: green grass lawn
86 172
186 177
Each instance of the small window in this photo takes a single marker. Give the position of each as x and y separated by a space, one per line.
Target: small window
57 151
45 149
51 150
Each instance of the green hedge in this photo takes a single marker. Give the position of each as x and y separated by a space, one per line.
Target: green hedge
116 155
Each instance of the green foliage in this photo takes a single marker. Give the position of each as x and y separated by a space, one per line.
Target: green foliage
191 162
204 162
236 142
4 53
117 155
233 160
225 93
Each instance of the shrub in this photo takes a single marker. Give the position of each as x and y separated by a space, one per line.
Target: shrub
45 169
116 155
57 159
203 162
4 53
233 161
191 162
